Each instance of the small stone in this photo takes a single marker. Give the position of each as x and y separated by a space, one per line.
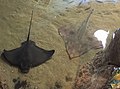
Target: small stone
68 78
36 0
58 84
36 87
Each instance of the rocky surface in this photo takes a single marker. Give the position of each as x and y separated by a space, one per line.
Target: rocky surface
58 72
94 75
112 52
103 69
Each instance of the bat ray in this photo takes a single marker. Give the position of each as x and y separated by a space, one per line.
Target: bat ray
78 41
28 55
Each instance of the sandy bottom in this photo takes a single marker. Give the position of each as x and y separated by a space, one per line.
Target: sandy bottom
14 23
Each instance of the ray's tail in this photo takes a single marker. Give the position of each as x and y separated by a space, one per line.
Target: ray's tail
30 26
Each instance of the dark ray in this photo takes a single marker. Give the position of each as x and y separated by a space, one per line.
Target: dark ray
28 55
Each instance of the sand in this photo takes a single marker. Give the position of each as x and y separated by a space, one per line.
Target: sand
14 23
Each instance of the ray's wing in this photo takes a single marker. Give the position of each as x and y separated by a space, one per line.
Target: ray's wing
39 55
12 56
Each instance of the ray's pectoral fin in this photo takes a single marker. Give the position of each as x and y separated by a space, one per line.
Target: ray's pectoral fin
12 56
40 55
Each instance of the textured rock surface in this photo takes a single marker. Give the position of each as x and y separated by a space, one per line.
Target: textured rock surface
112 52
94 75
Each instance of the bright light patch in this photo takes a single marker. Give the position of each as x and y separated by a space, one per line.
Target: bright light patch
113 35
101 35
